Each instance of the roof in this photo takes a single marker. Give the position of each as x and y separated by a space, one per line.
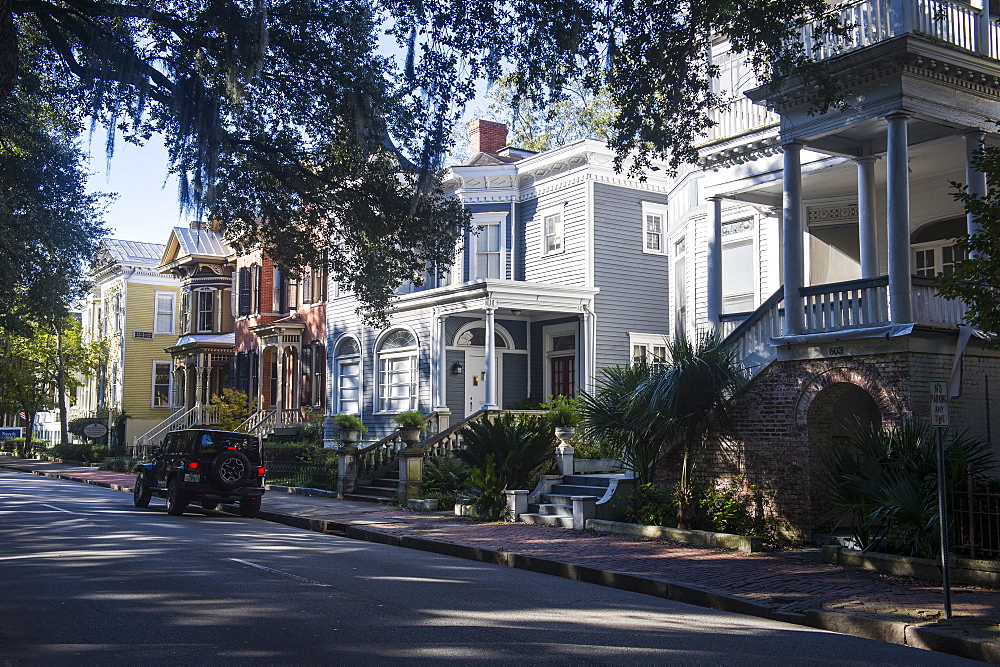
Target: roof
212 338
481 159
200 242
133 252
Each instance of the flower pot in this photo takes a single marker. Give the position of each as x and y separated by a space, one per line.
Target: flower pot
409 434
349 436
564 433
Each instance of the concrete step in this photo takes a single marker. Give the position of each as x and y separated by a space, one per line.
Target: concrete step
590 480
376 491
573 490
564 498
551 510
548 520
366 498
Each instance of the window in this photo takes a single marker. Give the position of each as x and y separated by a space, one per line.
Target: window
397 372
931 259
653 228
164 319
279 301
307 288
348 377
651 348
680 289
738 277
488 251
552 229
161 384
206 310
245 291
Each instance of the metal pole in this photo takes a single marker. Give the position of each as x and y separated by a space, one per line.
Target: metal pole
943 522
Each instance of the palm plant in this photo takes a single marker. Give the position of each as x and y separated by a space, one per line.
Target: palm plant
687 398
504 453
884 481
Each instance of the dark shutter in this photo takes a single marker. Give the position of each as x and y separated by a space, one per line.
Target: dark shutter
245 291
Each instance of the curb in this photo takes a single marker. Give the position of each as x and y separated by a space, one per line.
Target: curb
917 635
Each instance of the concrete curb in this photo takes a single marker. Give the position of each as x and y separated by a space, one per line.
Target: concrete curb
917 635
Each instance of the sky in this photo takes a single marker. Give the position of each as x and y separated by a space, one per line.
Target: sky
146 207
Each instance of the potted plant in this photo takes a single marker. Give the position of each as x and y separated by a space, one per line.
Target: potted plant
564 416
351 428
411 423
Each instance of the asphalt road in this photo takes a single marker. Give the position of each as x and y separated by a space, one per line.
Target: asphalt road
86 578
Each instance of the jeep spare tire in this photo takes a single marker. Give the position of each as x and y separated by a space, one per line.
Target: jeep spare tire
230 469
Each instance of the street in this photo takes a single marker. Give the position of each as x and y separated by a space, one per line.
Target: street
86 578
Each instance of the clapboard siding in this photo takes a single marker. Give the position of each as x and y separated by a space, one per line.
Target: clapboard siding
634 294
139 353
570 266
515 379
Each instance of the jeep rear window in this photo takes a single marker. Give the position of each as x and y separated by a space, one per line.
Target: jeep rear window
212 444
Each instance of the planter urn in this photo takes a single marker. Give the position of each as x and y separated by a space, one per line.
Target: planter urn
410 434
564 434
350 436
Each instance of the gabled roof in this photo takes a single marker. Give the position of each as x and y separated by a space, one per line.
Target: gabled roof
480 159
133 252
185 242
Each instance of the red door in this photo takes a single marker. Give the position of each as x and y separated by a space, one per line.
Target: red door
563 372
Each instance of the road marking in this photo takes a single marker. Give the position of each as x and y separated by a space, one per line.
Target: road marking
284 574
58 508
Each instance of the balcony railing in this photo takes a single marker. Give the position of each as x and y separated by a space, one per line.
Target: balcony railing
854 304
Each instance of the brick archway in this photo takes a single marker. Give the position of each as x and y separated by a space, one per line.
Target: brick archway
864 376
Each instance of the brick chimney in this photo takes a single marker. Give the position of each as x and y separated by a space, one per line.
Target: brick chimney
487 136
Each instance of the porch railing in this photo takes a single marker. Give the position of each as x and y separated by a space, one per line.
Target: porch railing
853 304
871 21
260 423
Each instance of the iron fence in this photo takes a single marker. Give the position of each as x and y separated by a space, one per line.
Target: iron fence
975 519
311 475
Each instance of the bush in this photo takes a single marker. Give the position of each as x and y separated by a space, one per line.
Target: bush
563 411
445 477
312 430
17 444
234 408
76 426
86 452
296 452
122 465
650 505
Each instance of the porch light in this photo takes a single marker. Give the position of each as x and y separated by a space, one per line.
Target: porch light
458 368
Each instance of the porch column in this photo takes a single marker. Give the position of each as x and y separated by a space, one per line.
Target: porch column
791 218
490 399
866 217
898 197
587 350
714 262
279 398
441 397
976 179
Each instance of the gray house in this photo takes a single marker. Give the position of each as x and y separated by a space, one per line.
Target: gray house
566 273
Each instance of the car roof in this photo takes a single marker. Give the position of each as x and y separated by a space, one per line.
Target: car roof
214 430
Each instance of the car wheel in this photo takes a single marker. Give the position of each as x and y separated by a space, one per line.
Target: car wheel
230 469
250 507
176 499
209 505
141 492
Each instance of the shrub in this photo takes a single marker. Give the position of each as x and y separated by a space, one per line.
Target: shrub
312 430
563 411
444 477
122 465
17 445
86 452
650 505
296 452
411 419
348 422
234 408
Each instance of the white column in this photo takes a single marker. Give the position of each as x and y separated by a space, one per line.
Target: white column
791 222
714 262
490 399
976 179
587 350
441 398
279 402
898 196
866 217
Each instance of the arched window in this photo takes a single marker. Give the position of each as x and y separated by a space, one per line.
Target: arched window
319 375
348 359
397 372
476 337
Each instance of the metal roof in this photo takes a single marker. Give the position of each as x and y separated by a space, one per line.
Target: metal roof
132 252
200 242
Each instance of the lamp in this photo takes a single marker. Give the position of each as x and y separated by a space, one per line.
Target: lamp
458 368
515 311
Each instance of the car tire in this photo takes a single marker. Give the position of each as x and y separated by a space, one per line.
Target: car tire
209 505
141 493
176 498
230 469
250 507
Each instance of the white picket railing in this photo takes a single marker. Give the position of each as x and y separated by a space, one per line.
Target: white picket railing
929 307
260 423
847 305
199 415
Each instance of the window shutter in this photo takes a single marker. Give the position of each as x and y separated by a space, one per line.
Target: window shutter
245 291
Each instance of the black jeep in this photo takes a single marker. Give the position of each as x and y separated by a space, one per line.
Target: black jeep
204 466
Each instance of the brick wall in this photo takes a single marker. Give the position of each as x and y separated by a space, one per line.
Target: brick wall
487 136
793 410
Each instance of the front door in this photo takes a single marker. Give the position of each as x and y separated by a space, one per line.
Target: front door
475 380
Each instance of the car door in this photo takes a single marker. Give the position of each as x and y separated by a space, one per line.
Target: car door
160 461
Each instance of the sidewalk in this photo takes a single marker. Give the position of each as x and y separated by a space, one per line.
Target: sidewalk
788 586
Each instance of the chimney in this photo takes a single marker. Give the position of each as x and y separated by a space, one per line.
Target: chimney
487 136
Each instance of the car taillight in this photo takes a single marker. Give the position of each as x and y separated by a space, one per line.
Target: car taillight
261 471
233 448
193 465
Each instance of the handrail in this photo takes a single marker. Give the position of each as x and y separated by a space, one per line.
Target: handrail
756 315
163 426
255 421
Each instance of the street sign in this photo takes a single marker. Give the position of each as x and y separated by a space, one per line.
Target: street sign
939 404
9 432
95 430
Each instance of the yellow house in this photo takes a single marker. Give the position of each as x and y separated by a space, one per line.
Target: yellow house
132 307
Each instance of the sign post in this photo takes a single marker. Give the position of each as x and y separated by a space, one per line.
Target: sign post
940 419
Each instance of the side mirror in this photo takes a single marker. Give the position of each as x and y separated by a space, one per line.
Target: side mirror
156 451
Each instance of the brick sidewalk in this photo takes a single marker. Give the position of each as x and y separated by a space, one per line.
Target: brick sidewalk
790 586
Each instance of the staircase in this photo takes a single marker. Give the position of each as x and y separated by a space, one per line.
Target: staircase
383 489
551 503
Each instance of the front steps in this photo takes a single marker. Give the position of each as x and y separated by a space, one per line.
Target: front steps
385 489
554 506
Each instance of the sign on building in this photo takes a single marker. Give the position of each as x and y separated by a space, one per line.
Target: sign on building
10 432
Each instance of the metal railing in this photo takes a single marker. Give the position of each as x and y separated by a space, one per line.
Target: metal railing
448 441
310 475
974 519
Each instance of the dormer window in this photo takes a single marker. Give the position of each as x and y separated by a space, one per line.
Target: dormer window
206 311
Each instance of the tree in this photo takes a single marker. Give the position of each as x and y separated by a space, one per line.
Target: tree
976 280
576 113
38 366
277 118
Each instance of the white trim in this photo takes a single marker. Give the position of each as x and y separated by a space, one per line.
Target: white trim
335 400
476 324
646 340
549 332
170 384
413 353
498 218
589 223
653 209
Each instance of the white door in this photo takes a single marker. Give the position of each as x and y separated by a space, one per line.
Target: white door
475 380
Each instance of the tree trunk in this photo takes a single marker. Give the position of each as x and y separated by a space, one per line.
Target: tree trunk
29 432
61 388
